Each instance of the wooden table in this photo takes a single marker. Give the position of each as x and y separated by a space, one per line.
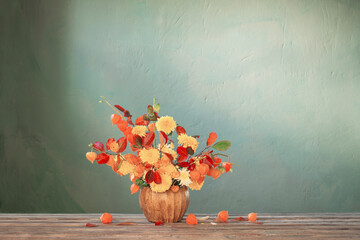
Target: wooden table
274 226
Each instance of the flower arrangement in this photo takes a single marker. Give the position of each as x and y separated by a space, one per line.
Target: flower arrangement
155 162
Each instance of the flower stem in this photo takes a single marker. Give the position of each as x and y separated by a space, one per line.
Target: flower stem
111 105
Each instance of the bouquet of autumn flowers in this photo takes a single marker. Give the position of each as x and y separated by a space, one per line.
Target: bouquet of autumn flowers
159 164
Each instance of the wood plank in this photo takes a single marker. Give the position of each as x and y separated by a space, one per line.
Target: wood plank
275 226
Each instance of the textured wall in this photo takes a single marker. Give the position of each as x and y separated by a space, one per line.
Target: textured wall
280 79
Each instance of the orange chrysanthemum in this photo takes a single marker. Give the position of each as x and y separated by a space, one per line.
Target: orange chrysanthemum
166 124
165 184
139 130
126 168
151 155
188 141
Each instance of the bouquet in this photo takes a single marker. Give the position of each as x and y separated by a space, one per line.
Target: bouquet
155 161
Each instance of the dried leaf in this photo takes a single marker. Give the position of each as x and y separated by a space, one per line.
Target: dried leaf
168 155
122 125
182 151
180 130
130 121
159 223
211 139
98 146
157 178
138 141
141 121
207 160
133 159
109 141
184 164
102 158
149 177
91 225
240 219
203 218
126 223
122 144
120 108
148 139
181 158
127 113
163 138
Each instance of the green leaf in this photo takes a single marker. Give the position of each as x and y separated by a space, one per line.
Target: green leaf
156 106
231 170
139 182
222 145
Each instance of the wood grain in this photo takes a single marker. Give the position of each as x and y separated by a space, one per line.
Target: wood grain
275 226
167 207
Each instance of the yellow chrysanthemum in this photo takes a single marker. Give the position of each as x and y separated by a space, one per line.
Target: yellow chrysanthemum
139 130
184 177
196 186
151 155
168 169
166 124
188 141
167 149
126 168
165 184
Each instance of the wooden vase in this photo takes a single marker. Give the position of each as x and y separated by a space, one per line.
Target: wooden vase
167 207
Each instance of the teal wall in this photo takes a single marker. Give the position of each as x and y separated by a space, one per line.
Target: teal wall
280 79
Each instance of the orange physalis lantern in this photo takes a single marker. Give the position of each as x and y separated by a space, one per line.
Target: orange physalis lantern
252 217
223 216
134 188
191 219
106 218
91 156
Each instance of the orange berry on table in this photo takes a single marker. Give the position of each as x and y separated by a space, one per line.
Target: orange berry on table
106 218
134 188
252 217
91 156
191 219
115 119
223 215
175 188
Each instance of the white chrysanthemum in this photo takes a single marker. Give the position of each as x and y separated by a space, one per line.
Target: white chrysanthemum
184 177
